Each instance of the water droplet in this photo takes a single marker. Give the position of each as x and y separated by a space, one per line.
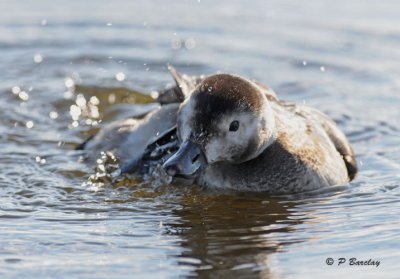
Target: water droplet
304 63
23 96
69 82
80 100
190 43
111 98
176 44
75 124
16 89
322 68
68 95
88 121
43 22
75 112
94 100
120 76
154 94
53 114
94 112
38 58
101 168
29 124
109 24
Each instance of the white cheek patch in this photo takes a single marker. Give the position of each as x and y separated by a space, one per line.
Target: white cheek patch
228 144
247 130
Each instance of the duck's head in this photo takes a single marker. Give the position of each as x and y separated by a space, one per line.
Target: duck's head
226 118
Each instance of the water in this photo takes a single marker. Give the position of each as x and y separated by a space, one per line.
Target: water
339 56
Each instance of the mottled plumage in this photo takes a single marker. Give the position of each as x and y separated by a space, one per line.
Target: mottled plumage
274 146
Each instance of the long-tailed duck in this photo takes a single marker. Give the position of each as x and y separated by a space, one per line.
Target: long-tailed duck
228 132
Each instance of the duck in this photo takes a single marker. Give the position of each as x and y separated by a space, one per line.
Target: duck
228 132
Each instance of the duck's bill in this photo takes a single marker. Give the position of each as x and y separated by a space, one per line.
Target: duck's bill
187 162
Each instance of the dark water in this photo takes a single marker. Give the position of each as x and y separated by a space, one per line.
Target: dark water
339 56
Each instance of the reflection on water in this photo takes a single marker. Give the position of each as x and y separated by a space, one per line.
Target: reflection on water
69 67
229 235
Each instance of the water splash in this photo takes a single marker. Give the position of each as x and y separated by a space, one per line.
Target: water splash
38 58
120 76
106 165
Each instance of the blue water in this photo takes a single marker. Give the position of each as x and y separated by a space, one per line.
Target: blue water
55 222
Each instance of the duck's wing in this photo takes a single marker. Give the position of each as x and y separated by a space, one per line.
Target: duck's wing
340 141
337 137
129 139
158 151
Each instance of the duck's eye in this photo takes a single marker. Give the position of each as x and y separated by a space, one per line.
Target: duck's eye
234 126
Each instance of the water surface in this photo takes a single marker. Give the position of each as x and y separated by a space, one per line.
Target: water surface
339 56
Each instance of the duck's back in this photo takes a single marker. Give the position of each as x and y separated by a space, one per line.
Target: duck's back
316 118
